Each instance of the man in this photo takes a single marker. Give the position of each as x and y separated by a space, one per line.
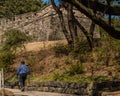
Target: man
22 72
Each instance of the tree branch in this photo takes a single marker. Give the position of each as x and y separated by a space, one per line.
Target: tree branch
99 21
104 8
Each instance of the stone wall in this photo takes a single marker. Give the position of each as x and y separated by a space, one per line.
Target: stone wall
36 24
43 25
79 89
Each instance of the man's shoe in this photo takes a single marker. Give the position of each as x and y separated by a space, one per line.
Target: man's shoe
22 89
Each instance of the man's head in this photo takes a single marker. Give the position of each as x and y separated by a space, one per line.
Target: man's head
22 62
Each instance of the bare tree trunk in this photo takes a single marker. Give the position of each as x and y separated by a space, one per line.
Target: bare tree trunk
72 23
62 22
109 21
87 35
92 29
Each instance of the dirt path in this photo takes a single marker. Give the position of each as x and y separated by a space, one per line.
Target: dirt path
35 93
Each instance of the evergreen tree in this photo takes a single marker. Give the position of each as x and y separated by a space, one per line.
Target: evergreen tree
16 7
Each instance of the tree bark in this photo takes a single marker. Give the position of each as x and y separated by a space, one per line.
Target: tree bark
98 20
87 35
104 8
71 23
62 22
92 29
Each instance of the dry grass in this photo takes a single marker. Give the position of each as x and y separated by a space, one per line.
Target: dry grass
36 46
42 61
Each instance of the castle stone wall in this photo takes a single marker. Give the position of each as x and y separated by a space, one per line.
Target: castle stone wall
43 25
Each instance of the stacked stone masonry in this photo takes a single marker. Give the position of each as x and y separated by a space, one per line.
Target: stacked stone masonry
43 25
79 89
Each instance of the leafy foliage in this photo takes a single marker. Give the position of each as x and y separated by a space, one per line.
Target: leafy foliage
59 77
13 40
81 46
15 7
75 69
60 49
6 59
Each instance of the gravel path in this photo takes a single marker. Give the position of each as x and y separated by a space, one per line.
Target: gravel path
36 93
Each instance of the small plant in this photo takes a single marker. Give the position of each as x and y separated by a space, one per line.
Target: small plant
59 77
6 59
13 42
100 78
60 49
68 61
14 39
80 50
75 69
81 46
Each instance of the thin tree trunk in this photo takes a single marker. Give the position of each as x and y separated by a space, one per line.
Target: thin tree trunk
87 35
92 29
72 24
62 22
109 21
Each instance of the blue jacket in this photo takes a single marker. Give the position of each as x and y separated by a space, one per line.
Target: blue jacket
22 69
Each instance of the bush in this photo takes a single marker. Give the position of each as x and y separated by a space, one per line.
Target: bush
60 49
6 59
13 40
68 61
100 78
80 50
75 69
81 46
59 77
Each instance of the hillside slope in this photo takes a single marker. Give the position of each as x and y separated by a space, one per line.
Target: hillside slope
41 59
47 62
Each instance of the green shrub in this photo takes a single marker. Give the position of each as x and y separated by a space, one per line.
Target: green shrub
59 77
60 49
81 46
80 50
75 69
13 40
100 78
68 61
6 59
